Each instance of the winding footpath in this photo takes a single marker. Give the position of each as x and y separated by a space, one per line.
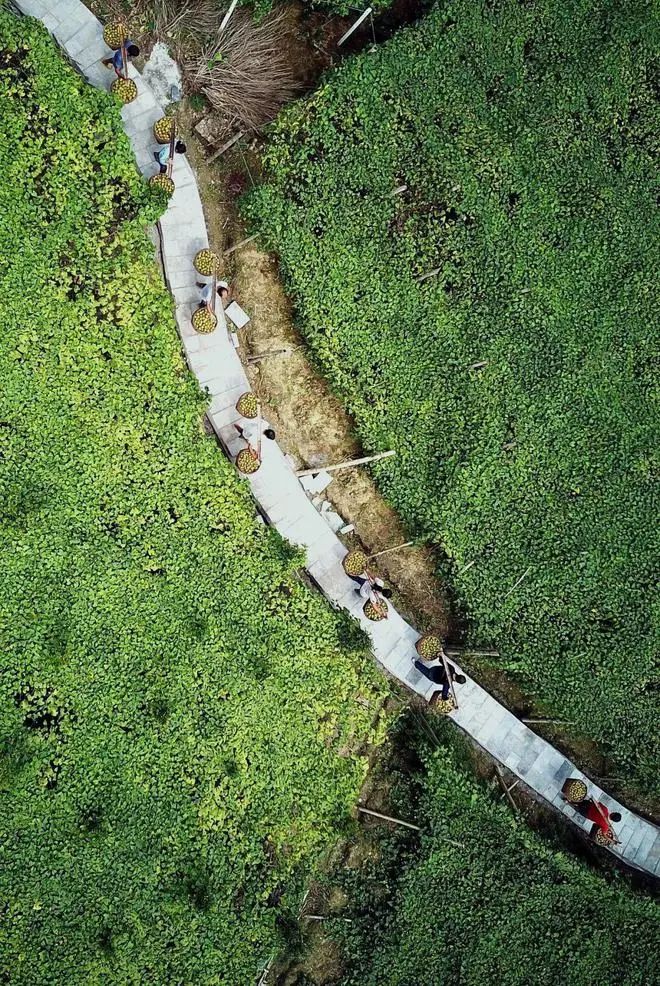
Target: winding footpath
277 491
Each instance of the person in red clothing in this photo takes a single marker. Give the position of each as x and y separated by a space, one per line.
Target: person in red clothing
597 813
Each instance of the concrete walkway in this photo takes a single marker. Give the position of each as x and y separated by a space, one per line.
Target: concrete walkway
215 363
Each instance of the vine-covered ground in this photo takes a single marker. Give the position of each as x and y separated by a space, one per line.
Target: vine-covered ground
515 382
180 718
477 898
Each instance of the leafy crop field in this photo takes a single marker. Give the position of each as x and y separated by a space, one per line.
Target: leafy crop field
479 898
179 730
515 382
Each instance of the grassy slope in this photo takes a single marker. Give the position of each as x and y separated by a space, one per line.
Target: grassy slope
524 135
172 699
478 898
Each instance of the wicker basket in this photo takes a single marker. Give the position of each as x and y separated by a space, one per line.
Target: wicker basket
163 183
373 613
444 706
601 839
125 90
163 129
429 647
574 790
114 34
204 321
206 263
247 405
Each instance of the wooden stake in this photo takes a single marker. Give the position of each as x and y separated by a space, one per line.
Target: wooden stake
237 246
554 722
225 147
355 26
510 789
406 544
431 273
388 818
523 576
225 19
461 651
507 790
273 352
349 463
264 974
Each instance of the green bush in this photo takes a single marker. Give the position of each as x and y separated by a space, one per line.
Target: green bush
178 724
516 383
479 898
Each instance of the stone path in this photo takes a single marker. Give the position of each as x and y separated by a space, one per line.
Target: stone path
215 363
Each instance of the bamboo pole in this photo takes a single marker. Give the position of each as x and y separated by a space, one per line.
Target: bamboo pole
354 27
349 463
214 289
124 59
170 162
259 430
406 544
443 658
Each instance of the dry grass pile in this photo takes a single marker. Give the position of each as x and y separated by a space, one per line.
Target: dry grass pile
244 70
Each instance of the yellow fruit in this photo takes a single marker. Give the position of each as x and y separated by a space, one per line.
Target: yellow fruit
574 790
247 461
163 129
248 405
444 706
163 183
125 90
429 647
203 320
374 614
114 34
207 263
601 839
355 562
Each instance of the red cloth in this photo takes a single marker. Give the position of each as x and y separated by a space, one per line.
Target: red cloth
598 813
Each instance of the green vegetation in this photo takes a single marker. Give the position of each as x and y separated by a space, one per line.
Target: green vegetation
478 898
516 382
179 730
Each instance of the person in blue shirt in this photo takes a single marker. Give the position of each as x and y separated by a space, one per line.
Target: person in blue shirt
163 155
116 62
